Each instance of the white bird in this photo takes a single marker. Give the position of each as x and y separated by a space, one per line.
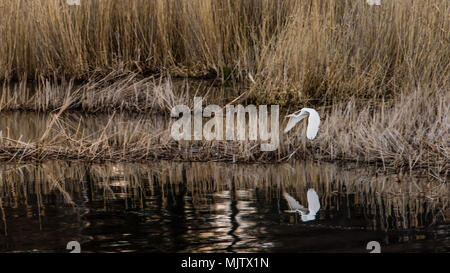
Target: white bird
308 214
313 121
374 2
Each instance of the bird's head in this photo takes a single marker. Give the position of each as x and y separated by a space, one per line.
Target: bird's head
313 121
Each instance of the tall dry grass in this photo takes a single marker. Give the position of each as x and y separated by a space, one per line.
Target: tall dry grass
124 92
379 75
409 132
295 50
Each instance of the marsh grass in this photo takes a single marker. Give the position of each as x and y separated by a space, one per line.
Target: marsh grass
294 50
406 133
113 92
379 76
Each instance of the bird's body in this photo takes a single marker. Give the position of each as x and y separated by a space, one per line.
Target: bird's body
313 121
309 213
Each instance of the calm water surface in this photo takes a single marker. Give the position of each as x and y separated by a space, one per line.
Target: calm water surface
217 207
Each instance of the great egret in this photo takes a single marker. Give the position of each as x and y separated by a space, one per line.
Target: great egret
308 214
374 2
313 121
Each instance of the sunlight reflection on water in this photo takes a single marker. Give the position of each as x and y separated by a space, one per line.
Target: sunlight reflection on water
216 207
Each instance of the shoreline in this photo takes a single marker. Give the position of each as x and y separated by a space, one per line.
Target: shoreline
417 171
138 138
407 132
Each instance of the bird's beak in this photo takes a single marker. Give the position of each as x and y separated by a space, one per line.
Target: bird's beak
290 115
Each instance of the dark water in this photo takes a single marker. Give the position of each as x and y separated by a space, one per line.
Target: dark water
212 207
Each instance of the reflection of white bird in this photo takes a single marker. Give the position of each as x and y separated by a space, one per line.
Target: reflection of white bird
308 214
374 2
313 121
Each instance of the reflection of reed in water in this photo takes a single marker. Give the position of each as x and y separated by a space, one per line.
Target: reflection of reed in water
29 126
383 201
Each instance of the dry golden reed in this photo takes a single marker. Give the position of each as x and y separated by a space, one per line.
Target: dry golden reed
407 133
379 76
294 49
113 92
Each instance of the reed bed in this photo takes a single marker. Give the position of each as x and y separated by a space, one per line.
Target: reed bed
379 76
116 91
407 133
293 50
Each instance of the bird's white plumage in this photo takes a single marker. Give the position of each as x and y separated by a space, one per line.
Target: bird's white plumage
309 213
313 121
313 201
294 119
293 204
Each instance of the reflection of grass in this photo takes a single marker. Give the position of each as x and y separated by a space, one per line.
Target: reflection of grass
294 49
385 195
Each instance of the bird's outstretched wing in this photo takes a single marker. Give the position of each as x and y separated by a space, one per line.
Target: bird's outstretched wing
313 201
313 124
292 203
292 121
